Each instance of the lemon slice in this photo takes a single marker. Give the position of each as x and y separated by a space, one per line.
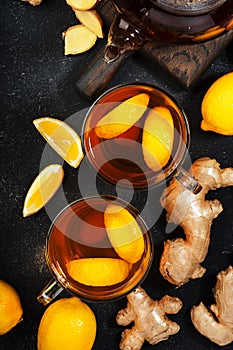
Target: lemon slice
158 138
43 188
62 138
98 272
122 117
124 233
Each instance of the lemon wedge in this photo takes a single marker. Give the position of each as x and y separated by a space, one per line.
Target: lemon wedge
124 233
62 138
122 117
98 272
158 138
43 188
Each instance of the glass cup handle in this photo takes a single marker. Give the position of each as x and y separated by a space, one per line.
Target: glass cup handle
50 292
188 181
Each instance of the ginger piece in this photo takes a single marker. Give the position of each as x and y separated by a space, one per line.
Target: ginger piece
181 258
92 20
82 5
34 2
217 323
78 39
150 321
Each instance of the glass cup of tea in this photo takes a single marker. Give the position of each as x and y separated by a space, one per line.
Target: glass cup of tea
98 248
136 135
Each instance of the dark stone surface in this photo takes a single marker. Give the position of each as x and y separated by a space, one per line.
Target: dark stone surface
38 80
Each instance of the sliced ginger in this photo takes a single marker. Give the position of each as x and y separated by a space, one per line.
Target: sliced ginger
158 137
92 20
216 323
78 39
98 272
43 188
150 320
124 233
82 5
122 117
62 138
34 2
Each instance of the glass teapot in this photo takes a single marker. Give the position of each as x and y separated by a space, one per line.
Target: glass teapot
138 22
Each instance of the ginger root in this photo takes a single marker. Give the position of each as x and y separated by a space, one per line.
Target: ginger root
217 324
181 258
92 20
82 5
78 39
150 321
34 2
82 37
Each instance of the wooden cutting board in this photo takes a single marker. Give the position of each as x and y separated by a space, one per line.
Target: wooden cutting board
186 63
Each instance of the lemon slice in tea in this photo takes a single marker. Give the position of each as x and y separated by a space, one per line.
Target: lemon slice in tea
43 188
62 138
98 272
158 138
122 117
124 233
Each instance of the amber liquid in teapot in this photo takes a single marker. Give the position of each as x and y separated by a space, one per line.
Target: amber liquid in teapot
178 20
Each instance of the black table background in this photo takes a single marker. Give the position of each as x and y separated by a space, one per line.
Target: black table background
38 80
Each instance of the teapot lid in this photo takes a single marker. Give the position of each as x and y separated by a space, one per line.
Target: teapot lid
188 7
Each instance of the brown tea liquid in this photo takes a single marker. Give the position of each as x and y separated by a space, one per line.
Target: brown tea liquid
121 158
79 232
178 21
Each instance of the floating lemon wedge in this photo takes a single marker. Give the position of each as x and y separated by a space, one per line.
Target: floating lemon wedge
62 138
122 117
124 233
98 272
43 188
158 137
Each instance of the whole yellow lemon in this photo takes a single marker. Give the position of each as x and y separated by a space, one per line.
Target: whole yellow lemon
10 307
68 323
217 106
